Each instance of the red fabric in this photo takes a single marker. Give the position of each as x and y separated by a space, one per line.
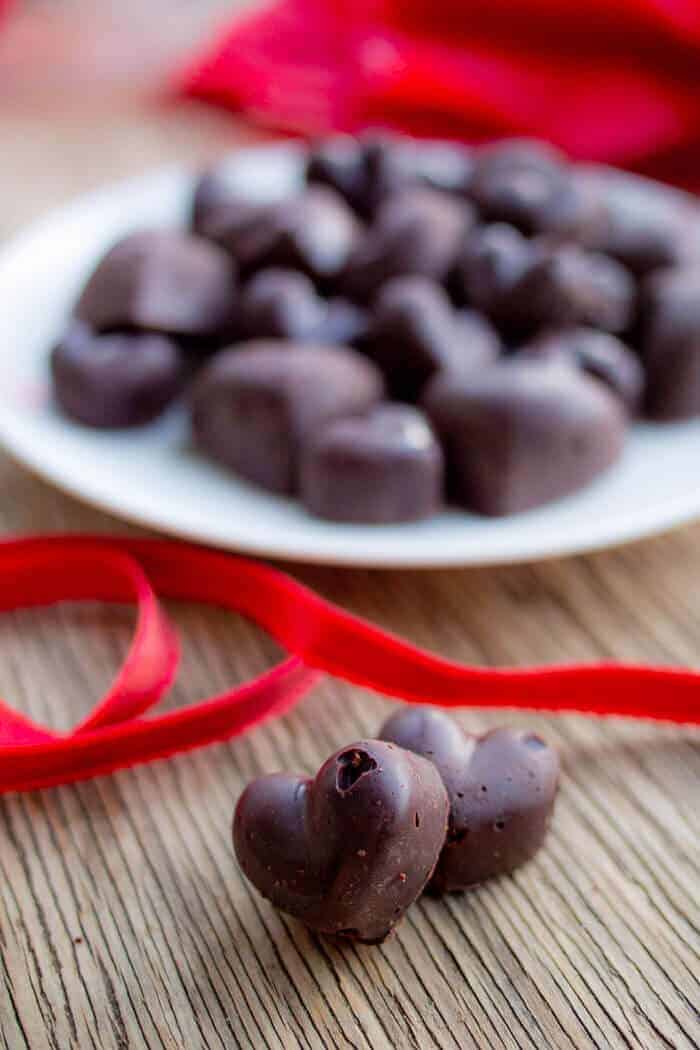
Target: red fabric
319 636
609 80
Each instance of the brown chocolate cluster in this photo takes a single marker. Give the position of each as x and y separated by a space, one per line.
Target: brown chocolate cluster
415 323
425 805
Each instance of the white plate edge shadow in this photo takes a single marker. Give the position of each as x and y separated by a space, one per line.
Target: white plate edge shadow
38 438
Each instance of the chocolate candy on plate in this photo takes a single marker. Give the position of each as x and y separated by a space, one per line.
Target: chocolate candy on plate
161 281
379 468
119 379
254 405
416 231
671 343
414 332
522 433
599 354
348 851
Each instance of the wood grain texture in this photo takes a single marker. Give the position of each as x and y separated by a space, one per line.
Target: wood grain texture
124 921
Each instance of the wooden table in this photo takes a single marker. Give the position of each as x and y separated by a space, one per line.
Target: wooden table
124 921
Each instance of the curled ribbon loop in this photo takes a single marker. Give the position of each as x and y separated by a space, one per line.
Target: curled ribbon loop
319 636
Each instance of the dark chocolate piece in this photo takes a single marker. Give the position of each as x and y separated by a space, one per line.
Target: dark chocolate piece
121 379
641 223
523 433
501 788
314 231
350 850
380 468
671 343
600 355
417 231
280 304
339 162
254 405
415 332
367 170
488 269
569 286
161 281
530 185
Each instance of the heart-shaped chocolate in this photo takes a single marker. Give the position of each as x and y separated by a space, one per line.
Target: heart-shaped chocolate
501 787
348 851
521 433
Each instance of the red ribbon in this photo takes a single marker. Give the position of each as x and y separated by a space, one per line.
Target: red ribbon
320 636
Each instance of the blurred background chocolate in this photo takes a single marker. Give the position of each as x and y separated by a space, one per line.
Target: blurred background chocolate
416 231
255 405
379 468
120 379
161 281
522 433
671 343
415 332
600 355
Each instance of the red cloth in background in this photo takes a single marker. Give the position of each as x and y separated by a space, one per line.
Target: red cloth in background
613 80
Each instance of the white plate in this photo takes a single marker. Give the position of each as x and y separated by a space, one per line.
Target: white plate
151 476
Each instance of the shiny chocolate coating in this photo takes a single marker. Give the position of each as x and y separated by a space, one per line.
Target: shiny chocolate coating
501 786
348 851
280 304
642 224
161 281
671 343
530 186
599 354
255 404
120 379
380 468
522 433
367 170
417 231
488 269
314 231
569 286
415 332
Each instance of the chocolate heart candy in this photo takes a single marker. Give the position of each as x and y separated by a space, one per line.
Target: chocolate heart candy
339 162
280 304
671 343
120 379
348 851
501 788
569 286
314 231
416 231
367 170
414 332
522 433
597 353
161 281
254 405
530 186
233 183
380 468
488 269
642 224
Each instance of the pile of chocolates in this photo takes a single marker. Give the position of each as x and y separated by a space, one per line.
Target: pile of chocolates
424 805
418 322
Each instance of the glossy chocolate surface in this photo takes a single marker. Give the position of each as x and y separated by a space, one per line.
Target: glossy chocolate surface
382 467
255 404
501 785
348 851
523 433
